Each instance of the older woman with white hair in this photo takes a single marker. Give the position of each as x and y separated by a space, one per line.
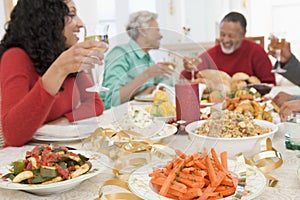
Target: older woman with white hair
129 69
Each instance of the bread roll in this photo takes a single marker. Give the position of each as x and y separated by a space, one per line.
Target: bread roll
238 84
240 76
253 80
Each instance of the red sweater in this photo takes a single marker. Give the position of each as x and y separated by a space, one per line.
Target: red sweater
250 58
26 105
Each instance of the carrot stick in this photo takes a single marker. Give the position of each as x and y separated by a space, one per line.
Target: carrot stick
188 170
192 184
180 153
216 159
211 172
171 177
191 194
227 192
223 156
207 192
220 176
174 185
169 166
228 181
200 164
201 173
188 160
191 177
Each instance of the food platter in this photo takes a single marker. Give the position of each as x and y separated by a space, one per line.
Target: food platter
139 181
99 163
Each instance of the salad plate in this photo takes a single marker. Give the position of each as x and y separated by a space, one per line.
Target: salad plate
99 163
139 181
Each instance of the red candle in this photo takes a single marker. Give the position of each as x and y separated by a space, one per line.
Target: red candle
187 102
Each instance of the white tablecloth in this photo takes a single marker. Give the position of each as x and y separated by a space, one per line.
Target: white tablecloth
288 187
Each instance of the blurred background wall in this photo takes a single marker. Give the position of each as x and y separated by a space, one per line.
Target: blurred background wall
201 16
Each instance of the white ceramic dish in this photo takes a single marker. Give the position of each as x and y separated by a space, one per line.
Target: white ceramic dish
165 119
139 120
64 132
139 181
67 132
207 103
99 163
145 98
248 145
167 131
40 137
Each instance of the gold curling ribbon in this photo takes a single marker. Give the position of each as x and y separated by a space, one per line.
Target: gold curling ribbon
128 154
119 195
267 160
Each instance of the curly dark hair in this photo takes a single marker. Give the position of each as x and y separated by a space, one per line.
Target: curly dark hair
37 26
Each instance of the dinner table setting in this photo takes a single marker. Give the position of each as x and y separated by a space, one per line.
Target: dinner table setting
123 147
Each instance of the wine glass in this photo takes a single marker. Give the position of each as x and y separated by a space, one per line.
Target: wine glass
276 45
99 34
171 59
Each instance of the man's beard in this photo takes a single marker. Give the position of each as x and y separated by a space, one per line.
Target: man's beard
226 50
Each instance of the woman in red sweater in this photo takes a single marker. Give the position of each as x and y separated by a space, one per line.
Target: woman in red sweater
41 69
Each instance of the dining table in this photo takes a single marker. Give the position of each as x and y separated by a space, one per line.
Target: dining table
288 186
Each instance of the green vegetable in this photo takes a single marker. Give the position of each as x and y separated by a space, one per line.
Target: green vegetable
18 167
46 171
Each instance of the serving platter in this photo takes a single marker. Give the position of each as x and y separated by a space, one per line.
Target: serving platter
99 163
139 181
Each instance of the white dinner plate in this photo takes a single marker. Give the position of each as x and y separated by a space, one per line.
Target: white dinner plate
145 98
165 118
139 181
67 132
44 138
207 103
99 163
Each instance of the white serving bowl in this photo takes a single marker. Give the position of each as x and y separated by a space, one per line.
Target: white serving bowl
249 146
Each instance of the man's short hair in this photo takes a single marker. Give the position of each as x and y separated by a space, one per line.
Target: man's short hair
236 17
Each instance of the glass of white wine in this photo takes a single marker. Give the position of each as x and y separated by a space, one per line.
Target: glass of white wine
276 45
100 34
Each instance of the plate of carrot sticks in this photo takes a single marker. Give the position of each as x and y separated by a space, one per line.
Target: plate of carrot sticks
201 176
